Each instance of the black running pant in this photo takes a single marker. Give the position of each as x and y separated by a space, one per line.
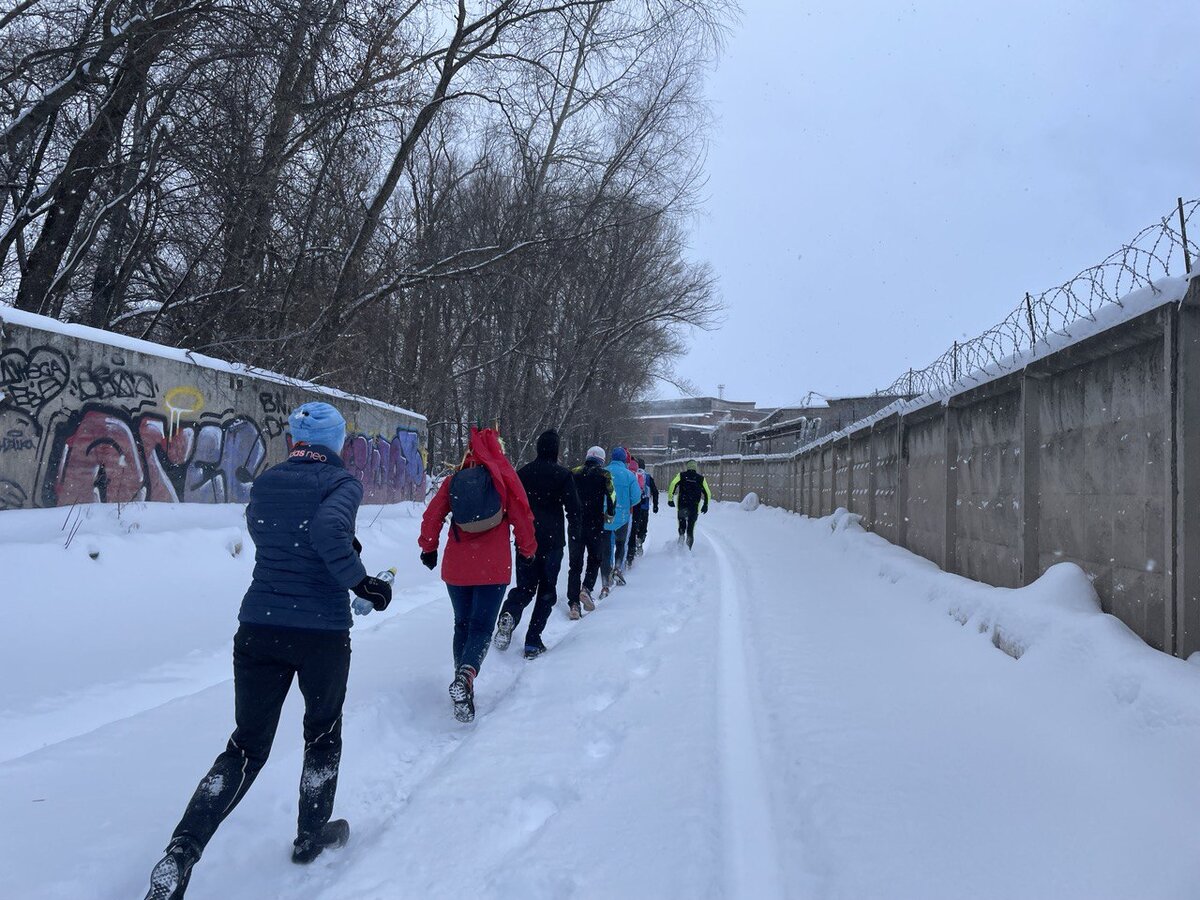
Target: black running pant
687 522
594 546
265 658
638 527
540 579
643 524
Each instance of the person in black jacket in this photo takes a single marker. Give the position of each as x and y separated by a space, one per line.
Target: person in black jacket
294 623
598 505
551 492
690 488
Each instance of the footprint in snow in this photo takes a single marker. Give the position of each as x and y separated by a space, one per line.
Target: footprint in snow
602 744
604 698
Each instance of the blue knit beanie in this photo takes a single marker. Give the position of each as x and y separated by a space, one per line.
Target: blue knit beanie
619 455
318 423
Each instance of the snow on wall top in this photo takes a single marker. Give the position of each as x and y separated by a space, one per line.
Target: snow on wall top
11 316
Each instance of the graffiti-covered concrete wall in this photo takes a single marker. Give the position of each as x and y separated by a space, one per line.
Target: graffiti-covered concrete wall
88 416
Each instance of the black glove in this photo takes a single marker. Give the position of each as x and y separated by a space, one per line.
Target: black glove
704 508
357 546
656 509
377 593
670 503
429 560
525 560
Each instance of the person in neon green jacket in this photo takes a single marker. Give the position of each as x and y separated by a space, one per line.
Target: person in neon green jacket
693 499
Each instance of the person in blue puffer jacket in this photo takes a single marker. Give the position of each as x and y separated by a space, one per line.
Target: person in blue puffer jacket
294 622
629 495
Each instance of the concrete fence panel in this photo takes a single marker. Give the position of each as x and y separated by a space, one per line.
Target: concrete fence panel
924 461
859 453
884 447
987 502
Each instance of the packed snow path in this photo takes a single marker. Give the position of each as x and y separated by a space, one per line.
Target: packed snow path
789 711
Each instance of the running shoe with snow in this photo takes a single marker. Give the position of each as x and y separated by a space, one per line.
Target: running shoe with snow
332 836
573 611
171 874
462 694
535 649
618 578
504 630
585 598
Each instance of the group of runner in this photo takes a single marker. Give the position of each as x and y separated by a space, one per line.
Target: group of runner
295 618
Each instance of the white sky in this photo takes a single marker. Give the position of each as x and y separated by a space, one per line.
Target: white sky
886 178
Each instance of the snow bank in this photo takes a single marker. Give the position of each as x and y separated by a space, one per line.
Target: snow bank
114 608
1055 624
750 502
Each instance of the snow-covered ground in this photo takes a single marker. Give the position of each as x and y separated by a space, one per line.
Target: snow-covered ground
798 709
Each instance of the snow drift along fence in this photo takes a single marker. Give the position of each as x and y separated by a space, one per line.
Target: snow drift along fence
88 415
1087 450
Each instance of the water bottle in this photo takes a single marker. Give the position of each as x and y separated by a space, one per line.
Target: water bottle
360 606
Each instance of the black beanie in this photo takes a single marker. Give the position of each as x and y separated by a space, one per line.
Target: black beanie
547 445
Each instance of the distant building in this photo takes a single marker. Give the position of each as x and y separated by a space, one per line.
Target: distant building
695 425
790 427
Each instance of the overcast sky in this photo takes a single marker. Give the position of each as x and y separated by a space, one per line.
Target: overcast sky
886 178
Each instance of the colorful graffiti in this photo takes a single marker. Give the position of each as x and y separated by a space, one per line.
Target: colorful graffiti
109 456
389 470
105 455
83 422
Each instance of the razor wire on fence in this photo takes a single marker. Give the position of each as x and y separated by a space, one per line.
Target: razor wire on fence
1148 257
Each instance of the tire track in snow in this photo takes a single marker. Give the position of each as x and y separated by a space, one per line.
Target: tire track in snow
751 857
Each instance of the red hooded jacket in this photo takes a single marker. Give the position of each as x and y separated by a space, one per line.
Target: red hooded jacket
482 557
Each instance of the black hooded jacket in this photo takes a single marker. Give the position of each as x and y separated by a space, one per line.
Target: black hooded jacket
597 498
551 492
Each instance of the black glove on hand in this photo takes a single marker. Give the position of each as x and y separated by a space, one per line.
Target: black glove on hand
429 560
525 560
377 593
704 508
656 509
670 503
357 546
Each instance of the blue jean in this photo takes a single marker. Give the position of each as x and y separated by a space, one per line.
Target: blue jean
476 608
614 558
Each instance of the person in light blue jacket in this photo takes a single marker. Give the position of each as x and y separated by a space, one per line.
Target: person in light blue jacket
629 495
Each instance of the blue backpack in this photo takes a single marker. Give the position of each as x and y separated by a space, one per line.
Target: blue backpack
474 501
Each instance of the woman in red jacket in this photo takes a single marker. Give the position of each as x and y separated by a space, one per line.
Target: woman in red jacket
477 566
